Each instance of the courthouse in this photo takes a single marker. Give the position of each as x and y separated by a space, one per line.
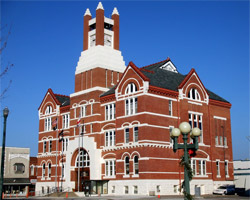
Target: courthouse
111 135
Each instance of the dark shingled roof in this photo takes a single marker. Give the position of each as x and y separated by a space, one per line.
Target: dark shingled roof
64 100
111 91
165 79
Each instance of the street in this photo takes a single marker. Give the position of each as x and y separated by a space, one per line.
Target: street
128 197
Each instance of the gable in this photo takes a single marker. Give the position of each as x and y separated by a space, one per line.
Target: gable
192 88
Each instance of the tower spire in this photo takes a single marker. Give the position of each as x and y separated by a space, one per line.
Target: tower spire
100 6
87 12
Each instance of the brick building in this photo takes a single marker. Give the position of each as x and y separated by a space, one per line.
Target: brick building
119 119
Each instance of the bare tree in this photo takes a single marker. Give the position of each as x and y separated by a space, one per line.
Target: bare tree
6 68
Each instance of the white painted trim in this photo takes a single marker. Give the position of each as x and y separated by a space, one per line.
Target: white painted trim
195 113
193 102
221 118
89 90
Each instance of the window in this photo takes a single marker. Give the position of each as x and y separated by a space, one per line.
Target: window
49 170
193 165
48 110
201 170
136 134
194 94
66 143
170 107
91 109
65 121
50 145
226 168
216 140
44 146
221 140
47 124
175 188
225 141
84 159
110 138
63 168
63 144
136 165
83 111
113 189
32 170
158 188
131 106
91 128
112 78
126 189
131 88
19 168
135 189
117 76
195 120
110 112
127 135
110 168
43 170
218 168
126 165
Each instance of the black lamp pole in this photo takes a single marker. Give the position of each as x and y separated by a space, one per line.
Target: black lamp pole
5 115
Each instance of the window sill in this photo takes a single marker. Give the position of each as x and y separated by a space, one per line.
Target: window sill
200 176
135 176
106 177
221 146
126 176
218 176
48 179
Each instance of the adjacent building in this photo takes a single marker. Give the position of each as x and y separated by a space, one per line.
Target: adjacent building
16 171
112 134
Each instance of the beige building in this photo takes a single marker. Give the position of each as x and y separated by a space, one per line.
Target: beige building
16 170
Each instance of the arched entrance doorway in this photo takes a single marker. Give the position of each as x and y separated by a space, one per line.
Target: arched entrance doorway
82 172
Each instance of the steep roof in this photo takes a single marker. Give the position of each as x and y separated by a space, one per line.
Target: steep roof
165 79
63 99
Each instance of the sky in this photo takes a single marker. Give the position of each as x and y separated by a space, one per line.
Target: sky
46 41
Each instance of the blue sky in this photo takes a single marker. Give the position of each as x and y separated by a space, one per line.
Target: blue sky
46 42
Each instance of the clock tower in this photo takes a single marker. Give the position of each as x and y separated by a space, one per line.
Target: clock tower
101 63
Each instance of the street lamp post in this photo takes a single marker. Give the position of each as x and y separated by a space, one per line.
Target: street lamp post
185 128
5 115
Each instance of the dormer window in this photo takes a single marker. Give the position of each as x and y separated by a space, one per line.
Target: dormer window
131 88
48 110
194 94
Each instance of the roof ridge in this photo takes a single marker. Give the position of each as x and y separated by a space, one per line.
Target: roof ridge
168 59
146 70
61 95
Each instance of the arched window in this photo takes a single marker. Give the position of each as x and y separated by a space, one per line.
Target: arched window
32 170
194 94
127 165
43 171
48 110
19 168
131 88
136 165
84 159
49 170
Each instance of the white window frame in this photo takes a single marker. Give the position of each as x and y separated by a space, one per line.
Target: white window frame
48 110
110 138
50 146
44 146
43 170
201 169
49 170
170 138
131 106
170 107
135 189
47 124
32 170
226 168
217 168
126 173
65 121
130 89
135 133
194 94
110 168
134 166
110 112
126 133
83 111
196 118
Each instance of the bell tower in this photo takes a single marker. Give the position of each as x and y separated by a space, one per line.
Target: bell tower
101 63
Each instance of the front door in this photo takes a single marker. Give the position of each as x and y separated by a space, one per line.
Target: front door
84 183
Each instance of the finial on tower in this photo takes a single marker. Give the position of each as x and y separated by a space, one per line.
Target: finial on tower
115 11
100 6
87 12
